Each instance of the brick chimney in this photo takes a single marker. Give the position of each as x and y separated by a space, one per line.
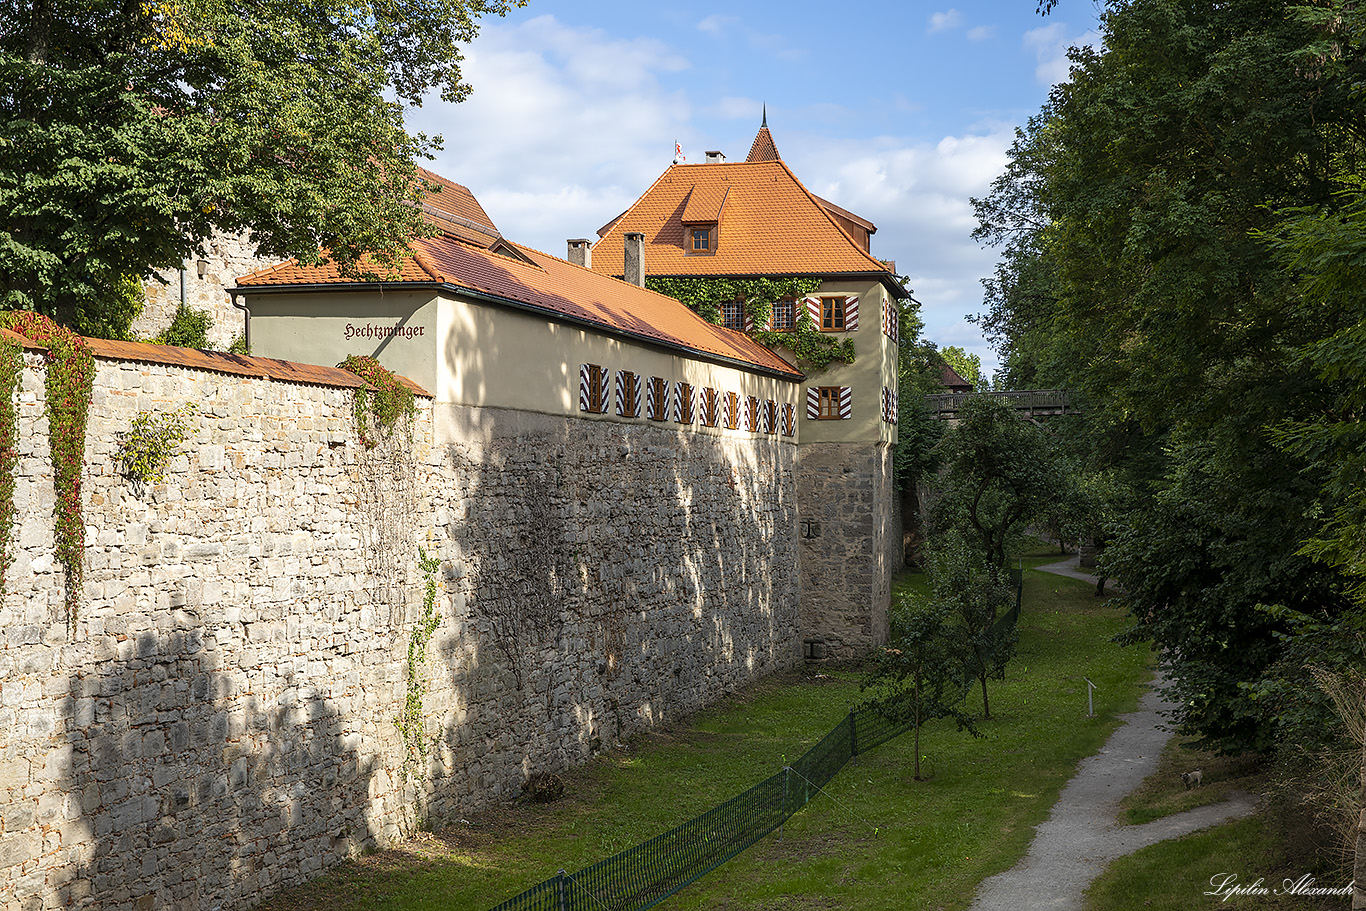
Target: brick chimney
581 252
635 258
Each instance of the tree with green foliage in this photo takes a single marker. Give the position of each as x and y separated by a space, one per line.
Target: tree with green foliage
919 676
968 366
976 596
135 131
1000 472
1133 217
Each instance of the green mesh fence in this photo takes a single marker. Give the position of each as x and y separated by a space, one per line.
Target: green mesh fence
643 876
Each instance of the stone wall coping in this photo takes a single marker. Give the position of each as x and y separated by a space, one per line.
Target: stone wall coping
222 362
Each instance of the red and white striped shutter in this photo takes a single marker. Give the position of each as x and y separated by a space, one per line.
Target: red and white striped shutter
621 393
850 314
813 309
640 395
725 410
585 385
604 389
768 323
651 401
749 322
813 402
886 405
896 404
789 419
846 403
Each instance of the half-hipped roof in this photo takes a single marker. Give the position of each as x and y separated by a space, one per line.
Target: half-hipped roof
769 225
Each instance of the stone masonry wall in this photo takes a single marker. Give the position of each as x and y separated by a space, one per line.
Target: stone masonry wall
221 721
848 551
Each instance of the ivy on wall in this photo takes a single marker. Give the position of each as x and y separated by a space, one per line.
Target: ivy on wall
814 349
70 376
11 372
147 446
409 722
381 408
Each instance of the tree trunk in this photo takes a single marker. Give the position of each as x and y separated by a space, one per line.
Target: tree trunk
986 706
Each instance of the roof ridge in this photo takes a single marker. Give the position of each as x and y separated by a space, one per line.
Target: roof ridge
631 208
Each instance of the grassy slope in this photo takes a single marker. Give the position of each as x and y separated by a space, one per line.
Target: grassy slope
882 840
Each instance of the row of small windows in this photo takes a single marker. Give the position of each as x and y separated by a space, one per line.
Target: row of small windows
828 314
658 399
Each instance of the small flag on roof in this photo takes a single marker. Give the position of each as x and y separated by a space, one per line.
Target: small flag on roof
678 153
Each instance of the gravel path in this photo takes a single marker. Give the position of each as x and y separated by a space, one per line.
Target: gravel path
1081 837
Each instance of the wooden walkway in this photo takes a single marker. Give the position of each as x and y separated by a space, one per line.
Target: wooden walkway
1029 403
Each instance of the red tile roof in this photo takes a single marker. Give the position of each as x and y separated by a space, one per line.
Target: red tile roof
773 226
763 148
550 285
452 209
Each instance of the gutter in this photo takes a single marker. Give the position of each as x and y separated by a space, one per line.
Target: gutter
793 376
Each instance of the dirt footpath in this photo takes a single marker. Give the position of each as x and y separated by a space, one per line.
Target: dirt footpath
1081 836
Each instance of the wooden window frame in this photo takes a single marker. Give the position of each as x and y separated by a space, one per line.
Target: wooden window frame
710 408
660 387
687 403
829 408
706 233
791 305
736 307
771 416
732 411
628 407
832 313
596 399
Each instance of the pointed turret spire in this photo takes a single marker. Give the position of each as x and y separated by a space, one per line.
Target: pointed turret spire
763 148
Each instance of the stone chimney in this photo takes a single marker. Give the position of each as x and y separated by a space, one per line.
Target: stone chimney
715 158
581 252
635 258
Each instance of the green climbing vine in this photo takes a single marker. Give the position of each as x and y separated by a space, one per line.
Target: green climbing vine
705 296
70 376
384 405
409 721
147 447
11 375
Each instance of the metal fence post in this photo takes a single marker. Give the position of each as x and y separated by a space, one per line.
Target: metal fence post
559 886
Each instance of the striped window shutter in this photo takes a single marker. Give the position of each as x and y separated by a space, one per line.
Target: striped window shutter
896 404
846 403
652 399
789 419
587 374
813 309
768 323
621 393
850 314
886 405
751 414
749 322
585 385
813 402
640 394
604 390
679 411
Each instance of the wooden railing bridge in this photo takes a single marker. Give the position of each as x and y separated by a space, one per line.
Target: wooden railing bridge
1029 403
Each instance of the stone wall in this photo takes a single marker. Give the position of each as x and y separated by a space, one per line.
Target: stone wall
850 546
228 258
221 720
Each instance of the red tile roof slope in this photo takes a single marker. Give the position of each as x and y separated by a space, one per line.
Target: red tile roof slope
452 209
235 364
763 148
552 285
773 226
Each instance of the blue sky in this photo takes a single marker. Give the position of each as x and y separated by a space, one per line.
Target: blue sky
900 112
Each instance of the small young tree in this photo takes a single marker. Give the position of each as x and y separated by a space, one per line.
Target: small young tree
919 677
975 595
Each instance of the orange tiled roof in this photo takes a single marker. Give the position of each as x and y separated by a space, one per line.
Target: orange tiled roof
763 149
554 286
235 364
453 210
773 226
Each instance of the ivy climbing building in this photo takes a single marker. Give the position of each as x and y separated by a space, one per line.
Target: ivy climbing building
749 247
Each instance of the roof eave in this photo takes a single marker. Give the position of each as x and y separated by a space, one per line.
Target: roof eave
513 304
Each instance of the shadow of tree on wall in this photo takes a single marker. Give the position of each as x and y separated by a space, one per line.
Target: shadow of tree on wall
193 791
640 558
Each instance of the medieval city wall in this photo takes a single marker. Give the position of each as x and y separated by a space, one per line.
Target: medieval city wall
224 715
850 546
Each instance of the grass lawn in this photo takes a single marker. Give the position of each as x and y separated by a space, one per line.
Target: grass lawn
879 840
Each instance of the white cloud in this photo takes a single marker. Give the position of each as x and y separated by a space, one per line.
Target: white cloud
940 22
919 196
981 32
1050 45
565 127
716 24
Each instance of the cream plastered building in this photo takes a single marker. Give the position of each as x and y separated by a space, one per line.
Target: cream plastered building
755 219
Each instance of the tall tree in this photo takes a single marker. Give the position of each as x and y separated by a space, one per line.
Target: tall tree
1136 274
131 131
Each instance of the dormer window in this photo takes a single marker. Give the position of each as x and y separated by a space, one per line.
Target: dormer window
702 240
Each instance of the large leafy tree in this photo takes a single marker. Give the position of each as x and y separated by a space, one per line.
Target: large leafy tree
131 131
1133 218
